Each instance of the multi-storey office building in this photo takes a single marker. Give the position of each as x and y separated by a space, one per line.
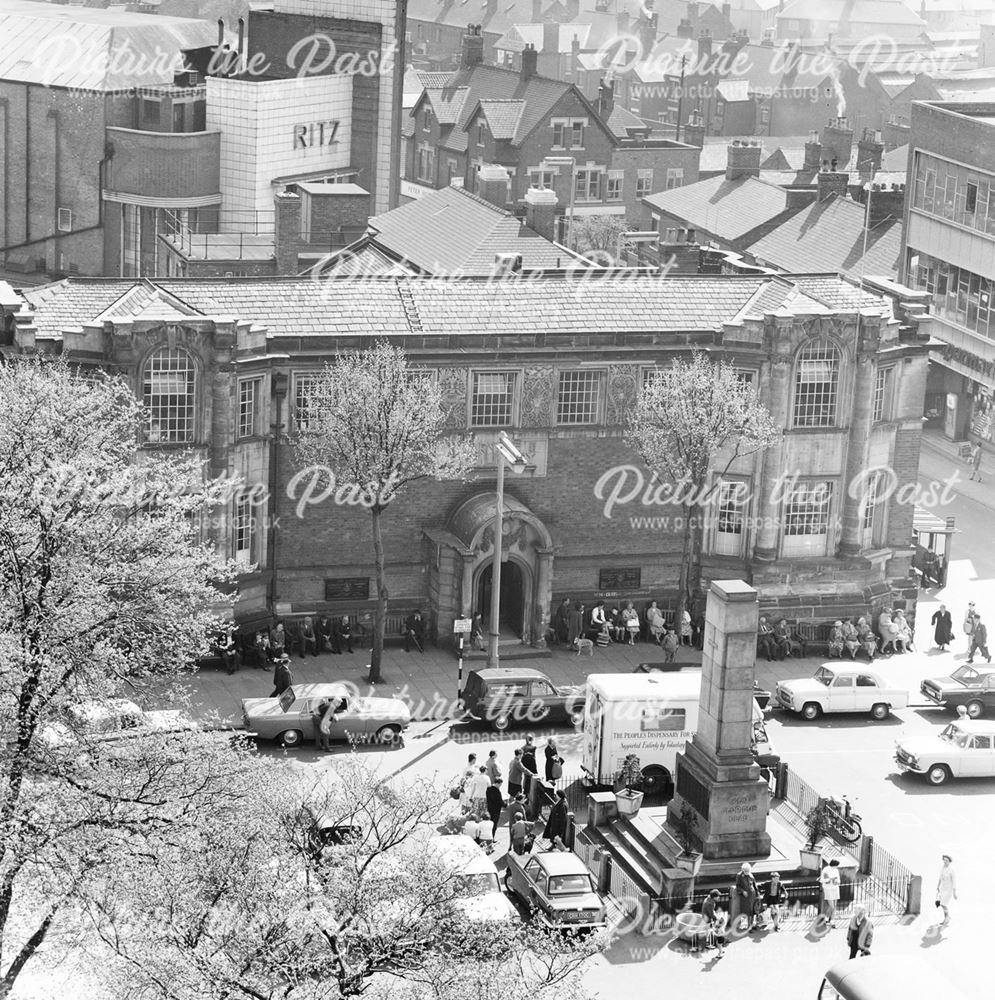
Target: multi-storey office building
949 252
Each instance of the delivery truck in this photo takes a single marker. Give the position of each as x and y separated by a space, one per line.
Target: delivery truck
651 715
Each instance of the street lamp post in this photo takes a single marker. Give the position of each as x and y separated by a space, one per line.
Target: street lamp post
506 451
571 162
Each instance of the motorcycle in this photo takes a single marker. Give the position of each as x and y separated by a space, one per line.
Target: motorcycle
844 821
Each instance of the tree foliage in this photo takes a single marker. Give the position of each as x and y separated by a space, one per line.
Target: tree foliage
598 234
691 422
103 585
257 904
376 422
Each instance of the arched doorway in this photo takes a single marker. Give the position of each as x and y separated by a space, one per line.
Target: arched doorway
514 596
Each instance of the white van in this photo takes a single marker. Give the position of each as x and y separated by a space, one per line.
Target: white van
651 715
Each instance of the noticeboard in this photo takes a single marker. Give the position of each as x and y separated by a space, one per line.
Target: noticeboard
620 580
349 588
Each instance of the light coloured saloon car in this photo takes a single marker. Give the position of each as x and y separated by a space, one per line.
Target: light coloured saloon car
112 719
840 689
558 888
965 749
289 719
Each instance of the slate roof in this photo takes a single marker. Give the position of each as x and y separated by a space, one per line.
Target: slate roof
829 236
503 117
493 83
621 120
452 230
425 307
727 209
896 159
86 48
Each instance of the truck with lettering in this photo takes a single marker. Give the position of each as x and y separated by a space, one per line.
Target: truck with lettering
651 715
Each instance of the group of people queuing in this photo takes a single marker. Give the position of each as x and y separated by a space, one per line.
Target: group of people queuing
482 800
623 624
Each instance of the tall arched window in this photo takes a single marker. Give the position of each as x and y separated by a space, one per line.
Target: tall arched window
817 374
169 385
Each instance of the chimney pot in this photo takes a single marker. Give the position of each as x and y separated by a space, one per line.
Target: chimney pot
530 60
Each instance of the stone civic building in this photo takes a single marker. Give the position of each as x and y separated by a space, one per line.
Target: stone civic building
556 361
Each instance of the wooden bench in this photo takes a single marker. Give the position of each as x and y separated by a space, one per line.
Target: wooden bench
361 623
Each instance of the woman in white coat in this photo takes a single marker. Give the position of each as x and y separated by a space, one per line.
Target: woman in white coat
946 888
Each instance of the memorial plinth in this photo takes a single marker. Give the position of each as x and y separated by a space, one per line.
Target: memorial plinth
717 775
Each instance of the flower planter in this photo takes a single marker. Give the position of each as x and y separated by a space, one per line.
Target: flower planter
810 859
628 802
690 863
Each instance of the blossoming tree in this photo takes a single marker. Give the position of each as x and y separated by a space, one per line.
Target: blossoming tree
691 422
374 420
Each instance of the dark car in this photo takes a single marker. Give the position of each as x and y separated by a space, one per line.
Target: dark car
506 696
972 687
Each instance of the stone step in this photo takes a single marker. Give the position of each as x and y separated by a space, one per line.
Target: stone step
625 854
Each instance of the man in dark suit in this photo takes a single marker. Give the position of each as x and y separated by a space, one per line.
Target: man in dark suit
282 676
414 631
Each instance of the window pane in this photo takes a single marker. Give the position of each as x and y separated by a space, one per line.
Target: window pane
816 379
304 386
493 399
168 388
579 397
248 395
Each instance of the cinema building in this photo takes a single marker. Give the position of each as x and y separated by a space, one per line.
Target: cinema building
226 368
137 144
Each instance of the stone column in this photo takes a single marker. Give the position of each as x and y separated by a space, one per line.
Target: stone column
542 595
466 585
768 507
716 774
858 448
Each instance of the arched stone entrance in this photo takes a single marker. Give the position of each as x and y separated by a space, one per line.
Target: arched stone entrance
526 573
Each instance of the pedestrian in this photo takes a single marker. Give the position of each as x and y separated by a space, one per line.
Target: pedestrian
471 828
552 756
962 715
687 631
775 900
317 719
556 825
516 809
519 833
830 882
479 784
467 782
561 621
283 678
969 622
575 623
262 650
529 762
494 768
942 628
669 644
495 803
976 462
414 632
979 640
746 894
946 888
477 633
516 775
860 933
714 921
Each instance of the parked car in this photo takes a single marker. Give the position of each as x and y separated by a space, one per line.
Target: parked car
504 696
840 689
356 718
558 888
478 887
970 686
112 719
965 749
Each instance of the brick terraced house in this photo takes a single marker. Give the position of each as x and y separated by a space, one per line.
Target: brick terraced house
226 368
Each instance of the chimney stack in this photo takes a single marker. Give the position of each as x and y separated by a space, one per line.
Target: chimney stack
886 201
648 33
530 59
870 149
536 11
622 19
473 47
540 211
492 184
837 141
831 181
694 129
550 39
573 10
685 29
813 153
704 47
743 160
606 98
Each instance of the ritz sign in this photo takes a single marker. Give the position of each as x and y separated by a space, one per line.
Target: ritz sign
315 134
